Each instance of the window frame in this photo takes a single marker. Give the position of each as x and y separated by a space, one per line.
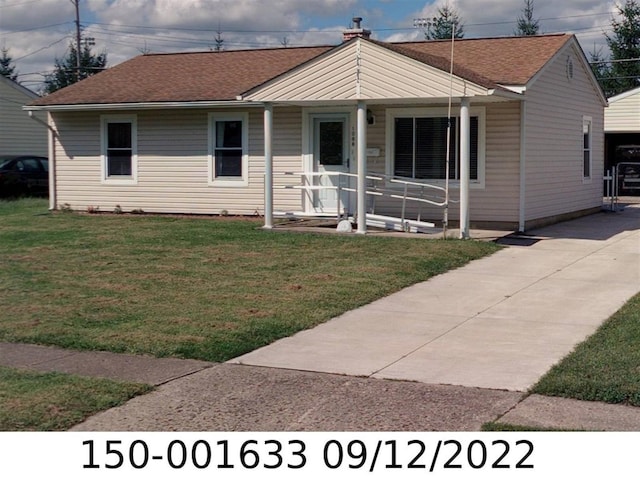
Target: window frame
438 112
587 176
228 181
105 120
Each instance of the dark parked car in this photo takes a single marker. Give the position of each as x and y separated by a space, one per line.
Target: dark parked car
23 175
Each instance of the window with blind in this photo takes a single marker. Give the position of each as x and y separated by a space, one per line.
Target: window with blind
228 152
420 147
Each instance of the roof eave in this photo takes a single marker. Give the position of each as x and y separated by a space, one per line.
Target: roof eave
138 106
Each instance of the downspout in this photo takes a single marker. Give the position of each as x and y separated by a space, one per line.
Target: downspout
52 134
523 166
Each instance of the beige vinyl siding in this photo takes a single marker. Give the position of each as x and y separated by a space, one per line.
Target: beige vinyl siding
555 108
19 134
383 74
623 115
173 166
498 201
388 75
330 77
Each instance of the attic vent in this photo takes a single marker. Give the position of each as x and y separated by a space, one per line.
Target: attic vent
569 68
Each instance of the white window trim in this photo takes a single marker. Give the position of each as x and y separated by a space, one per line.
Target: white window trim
587 120
118 179
480 112
242 181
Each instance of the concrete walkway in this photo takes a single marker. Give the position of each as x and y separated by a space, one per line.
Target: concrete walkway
461 350
499 323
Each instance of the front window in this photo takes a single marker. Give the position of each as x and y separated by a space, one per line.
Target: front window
228 151
119 148
419 148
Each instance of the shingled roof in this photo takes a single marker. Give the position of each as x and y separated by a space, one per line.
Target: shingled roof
488 61
183 77
223 76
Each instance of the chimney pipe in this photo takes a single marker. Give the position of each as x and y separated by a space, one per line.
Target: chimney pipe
356 31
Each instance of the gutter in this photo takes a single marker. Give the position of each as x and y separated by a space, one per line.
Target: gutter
136 106
52 133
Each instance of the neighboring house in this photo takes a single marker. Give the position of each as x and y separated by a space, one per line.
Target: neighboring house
622 128
19 134
198 132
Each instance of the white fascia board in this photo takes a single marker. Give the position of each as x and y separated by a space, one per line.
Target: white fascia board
623 95
140 106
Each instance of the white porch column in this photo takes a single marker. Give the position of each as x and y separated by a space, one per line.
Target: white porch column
268 166
362 167
465 166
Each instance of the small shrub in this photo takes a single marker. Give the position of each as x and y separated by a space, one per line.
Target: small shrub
137 211
117 210
92 209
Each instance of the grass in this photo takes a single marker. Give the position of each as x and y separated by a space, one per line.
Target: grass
53 401
605 367
204 288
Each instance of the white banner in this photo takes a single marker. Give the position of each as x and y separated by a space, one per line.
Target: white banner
288 455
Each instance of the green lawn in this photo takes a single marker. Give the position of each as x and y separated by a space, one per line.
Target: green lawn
605 367
204 288
54 401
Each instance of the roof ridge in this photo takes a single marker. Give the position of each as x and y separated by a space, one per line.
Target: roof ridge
258 49
480 39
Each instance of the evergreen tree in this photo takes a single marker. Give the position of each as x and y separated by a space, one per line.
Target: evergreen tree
219 41
443 24
7 67
601 69
66 71
624 44
527 25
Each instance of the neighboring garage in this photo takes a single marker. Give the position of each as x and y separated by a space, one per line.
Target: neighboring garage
622 139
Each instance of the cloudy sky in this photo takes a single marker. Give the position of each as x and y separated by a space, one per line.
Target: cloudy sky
37 31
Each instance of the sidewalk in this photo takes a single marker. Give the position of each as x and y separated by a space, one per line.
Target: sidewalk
449 354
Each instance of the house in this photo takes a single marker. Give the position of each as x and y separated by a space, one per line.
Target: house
622 132
19 135
346 129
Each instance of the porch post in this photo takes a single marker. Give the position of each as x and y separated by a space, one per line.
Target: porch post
362 167
465 166
268 165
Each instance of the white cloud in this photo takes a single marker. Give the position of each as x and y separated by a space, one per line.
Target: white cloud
125 27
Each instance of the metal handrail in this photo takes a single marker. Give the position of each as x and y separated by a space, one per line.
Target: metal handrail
372 191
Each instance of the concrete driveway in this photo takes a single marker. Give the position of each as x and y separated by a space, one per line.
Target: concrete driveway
499 323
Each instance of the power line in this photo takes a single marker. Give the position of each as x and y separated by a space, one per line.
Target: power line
19 4
41 49
42 27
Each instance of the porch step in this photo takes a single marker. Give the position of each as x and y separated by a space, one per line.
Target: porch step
395 223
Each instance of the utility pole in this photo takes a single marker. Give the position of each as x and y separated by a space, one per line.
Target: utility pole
76 3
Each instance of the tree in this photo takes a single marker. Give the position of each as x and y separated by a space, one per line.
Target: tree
527 25
7 67
442 25
219 46
602 70
66 71
624 43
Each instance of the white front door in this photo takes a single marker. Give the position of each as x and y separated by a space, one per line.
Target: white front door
331 156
